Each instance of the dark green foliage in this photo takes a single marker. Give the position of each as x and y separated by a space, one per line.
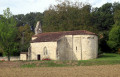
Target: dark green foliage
117 17
103 46
116 6
102 17
24 36
30 19
20 19
68 16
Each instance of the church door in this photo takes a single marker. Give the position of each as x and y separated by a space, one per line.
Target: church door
38 57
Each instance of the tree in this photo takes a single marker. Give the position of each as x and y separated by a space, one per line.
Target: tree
8 32
7 13
114 34
19 19
67 16
30 19
114 38
102 17
24 36
117 13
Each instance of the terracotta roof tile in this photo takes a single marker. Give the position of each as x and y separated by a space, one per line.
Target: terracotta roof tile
54 36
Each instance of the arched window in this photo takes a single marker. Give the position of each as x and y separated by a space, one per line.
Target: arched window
45 52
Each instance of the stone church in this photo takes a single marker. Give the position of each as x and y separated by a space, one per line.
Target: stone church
66 45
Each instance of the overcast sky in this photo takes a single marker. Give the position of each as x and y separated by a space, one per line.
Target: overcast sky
27 6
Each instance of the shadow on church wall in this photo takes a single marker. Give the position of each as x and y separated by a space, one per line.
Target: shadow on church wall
64 50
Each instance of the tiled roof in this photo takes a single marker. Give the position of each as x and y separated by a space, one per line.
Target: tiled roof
54 36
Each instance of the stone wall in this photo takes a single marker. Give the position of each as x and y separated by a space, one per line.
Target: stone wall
15 58
85 46
65 48
23 56
69 47
61 46
44 49
89 47
77 47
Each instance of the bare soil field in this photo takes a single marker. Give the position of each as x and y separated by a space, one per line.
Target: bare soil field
12 69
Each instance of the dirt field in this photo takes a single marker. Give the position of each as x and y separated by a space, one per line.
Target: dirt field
76 71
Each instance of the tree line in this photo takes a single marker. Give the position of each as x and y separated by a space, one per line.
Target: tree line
65 16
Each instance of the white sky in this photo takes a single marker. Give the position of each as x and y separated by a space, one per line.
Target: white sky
27 6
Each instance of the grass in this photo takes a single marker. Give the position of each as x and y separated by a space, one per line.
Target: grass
31 64
28 65
104 59
51 64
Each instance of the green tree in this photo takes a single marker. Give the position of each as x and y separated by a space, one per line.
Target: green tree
30 19
19 19
102 17
8 32
114 34
67 16
117 13
7 14
24 36
114 38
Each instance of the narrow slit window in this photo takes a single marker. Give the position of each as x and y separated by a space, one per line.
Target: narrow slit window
76 48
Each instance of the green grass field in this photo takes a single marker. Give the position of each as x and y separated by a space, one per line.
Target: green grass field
104 59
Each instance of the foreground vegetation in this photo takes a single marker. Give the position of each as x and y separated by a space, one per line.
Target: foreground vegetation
104 59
